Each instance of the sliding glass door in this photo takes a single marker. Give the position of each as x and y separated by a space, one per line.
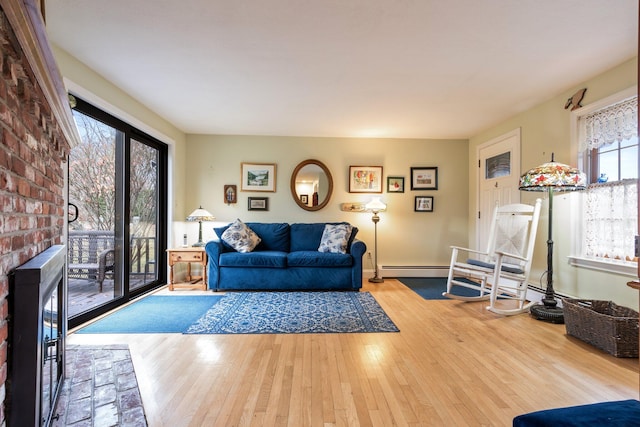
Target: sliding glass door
117 195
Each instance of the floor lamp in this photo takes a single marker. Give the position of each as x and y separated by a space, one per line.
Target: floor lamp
375 206
200 215
551 177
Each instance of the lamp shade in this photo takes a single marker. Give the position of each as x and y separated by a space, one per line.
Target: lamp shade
553 175
375 205
200 215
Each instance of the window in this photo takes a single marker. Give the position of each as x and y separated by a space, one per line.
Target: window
611 141
608 145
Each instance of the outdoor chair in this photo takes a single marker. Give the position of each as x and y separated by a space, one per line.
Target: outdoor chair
91 255
501 271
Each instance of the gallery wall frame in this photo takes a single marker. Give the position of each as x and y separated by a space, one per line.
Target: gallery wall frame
395 184
365 179
424 178
258 177
230 194
423 204
258 203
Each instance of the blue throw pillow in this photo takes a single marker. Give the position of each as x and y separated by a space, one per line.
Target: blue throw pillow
240 237
275 236
307 237
335 238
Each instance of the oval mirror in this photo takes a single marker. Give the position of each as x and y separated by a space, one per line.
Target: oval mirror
311 185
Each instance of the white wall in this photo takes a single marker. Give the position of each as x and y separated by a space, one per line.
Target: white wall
85 83
405 237
545 130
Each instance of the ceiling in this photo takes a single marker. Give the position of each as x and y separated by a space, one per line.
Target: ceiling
345 68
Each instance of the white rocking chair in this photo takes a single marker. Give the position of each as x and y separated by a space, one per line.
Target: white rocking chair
501 272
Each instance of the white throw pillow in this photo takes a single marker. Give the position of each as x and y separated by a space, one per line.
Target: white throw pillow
240 237
335 238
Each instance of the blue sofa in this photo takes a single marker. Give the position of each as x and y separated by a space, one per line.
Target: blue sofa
287 258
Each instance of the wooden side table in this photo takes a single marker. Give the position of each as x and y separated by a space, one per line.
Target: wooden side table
188 255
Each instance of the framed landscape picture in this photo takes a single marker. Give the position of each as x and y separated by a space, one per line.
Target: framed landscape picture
258 177
395 184
423 204
424 178
365 179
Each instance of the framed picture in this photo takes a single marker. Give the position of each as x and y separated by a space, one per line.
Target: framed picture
258 203
365 179
423 204
304 198
258 177
395 184
424 178
230 194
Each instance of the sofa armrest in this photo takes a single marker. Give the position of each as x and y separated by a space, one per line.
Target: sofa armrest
213 248
357 250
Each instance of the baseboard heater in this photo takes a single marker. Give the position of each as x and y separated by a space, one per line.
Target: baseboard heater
414 270
535 293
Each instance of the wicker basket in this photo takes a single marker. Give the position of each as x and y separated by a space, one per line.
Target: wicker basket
603 324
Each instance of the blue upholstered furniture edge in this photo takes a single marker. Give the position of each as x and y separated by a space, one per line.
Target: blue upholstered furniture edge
621 413
287 258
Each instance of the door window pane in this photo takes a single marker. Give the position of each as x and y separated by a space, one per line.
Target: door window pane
143 179
498 166
92 189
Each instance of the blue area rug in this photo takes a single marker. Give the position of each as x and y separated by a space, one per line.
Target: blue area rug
154 314
433 287
294 313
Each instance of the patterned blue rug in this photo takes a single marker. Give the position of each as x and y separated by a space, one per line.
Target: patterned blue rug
294 313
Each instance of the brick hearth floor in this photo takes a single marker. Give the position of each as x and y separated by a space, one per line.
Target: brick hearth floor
100 389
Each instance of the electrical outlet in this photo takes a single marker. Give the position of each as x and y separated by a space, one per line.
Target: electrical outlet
368 255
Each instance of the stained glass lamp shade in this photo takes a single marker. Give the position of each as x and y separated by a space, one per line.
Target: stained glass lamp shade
200 215
551 177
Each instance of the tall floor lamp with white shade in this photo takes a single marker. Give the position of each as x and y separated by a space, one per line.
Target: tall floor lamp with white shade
375 206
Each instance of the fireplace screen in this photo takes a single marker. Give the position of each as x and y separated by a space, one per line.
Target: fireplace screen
38 337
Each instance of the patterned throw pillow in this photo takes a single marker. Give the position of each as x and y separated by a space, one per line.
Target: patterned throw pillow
240 237
335 238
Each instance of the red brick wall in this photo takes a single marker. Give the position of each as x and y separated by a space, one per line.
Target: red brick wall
32 160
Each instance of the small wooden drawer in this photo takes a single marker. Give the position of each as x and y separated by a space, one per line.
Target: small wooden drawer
186 257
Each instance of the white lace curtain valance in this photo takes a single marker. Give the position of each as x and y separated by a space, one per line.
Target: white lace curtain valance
610 124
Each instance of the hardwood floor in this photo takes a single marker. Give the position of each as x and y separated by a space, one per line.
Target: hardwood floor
452 363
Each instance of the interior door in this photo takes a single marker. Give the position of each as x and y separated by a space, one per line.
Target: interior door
498 179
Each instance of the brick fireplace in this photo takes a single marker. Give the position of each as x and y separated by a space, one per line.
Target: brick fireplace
36 132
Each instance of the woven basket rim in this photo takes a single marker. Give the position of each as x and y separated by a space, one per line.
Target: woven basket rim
632 314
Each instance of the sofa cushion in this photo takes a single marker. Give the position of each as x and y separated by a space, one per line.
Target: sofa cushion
240 237
267 259
335 238
318 259
274 236
307 237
